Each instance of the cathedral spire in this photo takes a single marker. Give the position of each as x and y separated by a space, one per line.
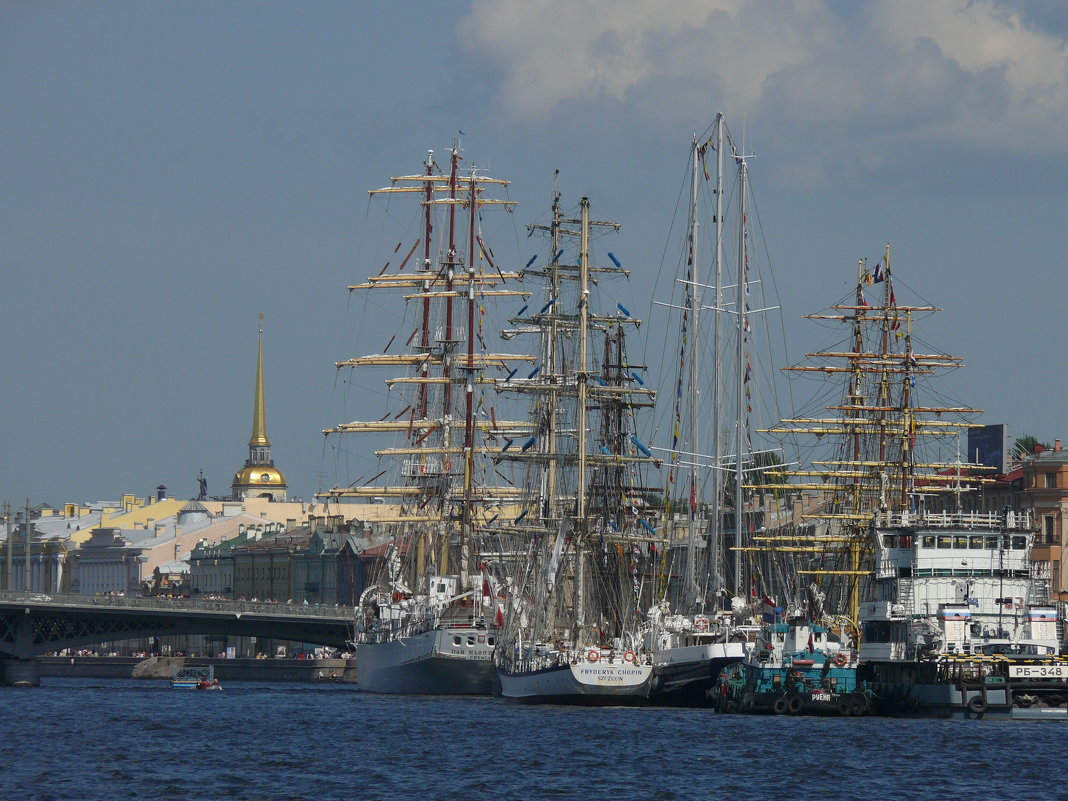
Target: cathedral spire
259 416
259 478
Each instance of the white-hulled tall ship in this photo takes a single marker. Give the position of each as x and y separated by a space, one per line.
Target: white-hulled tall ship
572 630
427 622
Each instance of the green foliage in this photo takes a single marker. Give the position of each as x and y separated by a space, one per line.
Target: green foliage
1025 445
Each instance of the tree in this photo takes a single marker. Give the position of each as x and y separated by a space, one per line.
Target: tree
1025 445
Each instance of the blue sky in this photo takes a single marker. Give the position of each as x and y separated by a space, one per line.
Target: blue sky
170 170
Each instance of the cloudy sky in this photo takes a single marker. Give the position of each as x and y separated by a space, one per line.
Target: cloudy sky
170 170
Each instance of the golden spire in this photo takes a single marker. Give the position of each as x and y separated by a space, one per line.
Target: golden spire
259 417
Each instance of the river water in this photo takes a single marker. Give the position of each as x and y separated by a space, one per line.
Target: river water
89 739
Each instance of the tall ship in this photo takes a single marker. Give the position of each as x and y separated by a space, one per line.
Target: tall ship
704 619
929 594
573 623
426 622
956 623
806 660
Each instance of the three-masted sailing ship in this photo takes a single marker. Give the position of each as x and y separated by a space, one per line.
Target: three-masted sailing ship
572 631
907 573
426 624
805 659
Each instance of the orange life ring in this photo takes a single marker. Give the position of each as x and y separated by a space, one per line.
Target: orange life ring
593 655
700 623
840 659
448 466
628 656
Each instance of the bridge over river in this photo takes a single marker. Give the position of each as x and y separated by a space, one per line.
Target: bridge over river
32 624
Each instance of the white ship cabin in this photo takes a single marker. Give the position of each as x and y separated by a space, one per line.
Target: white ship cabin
447 603
958 584
797 643
441 589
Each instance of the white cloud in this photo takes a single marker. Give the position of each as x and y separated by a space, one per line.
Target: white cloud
962 71
553 51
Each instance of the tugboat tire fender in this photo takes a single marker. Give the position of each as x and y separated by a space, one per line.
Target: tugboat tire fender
780 706
793 705
977 704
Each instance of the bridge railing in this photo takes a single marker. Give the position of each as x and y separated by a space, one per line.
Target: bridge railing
193 604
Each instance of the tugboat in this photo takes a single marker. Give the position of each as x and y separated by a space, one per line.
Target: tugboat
796 667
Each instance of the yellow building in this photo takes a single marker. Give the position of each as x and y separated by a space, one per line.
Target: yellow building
259 478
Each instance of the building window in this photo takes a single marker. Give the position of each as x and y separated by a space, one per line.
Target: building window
1051 480
1048 528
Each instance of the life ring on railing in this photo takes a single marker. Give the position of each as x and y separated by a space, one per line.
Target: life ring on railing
700 623
447 466
593 655
840 659
628 656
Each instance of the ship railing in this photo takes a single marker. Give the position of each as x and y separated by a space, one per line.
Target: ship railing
983 520
198 604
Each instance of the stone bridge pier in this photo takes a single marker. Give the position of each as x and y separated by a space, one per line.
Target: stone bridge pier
19 668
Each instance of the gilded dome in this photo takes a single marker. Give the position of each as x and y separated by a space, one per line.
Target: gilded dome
259 476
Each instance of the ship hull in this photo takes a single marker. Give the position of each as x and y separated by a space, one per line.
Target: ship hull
687 676
429 663
906 689
583 684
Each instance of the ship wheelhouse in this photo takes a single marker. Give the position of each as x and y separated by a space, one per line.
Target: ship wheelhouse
954 583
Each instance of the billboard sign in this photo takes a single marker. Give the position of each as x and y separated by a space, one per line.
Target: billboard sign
989 445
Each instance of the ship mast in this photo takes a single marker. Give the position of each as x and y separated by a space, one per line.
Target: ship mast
740 385
573 481
879 424
716 518
432 486
694 303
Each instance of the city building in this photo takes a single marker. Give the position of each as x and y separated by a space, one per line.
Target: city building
1045 481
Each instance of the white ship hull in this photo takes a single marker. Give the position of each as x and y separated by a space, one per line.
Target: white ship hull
436 662
584 683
